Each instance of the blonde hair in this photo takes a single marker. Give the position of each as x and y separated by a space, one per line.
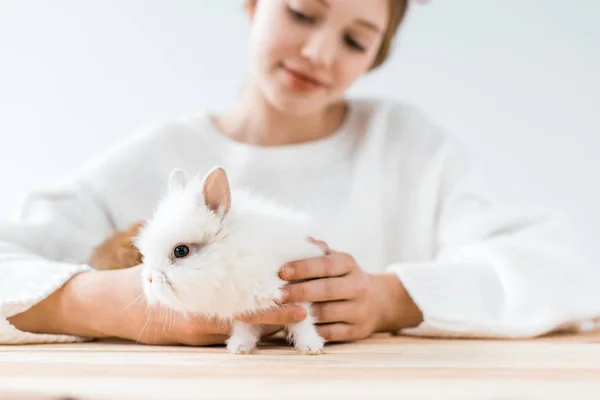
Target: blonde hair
397 10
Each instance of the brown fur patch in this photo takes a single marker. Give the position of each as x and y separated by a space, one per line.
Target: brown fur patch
117 251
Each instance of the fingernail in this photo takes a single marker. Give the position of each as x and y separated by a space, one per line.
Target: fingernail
284 296
286 272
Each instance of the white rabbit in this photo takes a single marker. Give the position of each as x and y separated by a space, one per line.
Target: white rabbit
216 252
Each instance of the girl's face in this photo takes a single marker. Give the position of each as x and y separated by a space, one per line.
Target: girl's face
306 53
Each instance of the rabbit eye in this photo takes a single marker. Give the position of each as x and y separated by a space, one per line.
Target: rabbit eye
181 251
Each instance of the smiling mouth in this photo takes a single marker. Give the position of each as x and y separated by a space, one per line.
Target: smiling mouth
307 79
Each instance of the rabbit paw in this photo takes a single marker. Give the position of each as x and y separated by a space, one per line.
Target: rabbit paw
240 348
305 337
304 334
243 338
310 345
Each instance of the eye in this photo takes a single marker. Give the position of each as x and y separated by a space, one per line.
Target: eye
297 15
181 251
354 44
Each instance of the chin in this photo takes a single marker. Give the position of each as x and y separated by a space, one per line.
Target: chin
161 294
290 102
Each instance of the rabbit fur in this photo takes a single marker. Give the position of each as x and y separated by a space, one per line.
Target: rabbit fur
214 251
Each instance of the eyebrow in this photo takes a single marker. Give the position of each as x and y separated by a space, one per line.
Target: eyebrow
369 25
366 24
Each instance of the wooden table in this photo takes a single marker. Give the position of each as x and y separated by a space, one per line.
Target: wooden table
382 367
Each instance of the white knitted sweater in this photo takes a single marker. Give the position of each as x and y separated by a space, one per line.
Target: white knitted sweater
390 187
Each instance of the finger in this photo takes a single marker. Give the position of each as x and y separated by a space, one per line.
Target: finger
318 290
337 332
334 264
322 245
277 315
335 311
269 330
198 330
203 325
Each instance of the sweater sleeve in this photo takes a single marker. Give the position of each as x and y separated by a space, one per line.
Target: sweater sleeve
498 271
47 243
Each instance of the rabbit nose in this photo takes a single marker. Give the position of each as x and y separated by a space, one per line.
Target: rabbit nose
150 279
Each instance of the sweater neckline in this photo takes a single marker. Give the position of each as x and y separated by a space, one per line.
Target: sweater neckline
332 147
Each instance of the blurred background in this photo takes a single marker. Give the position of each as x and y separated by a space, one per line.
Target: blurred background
517 82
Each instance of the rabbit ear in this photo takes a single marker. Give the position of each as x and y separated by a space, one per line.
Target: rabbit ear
217 194
177 180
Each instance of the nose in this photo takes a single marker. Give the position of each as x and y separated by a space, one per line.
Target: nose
320 48
151 276
157 276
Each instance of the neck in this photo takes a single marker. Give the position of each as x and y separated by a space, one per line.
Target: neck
254 120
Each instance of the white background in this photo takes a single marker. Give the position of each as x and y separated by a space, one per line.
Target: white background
517 81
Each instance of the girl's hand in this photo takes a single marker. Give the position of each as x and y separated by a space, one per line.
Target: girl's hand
126 314
105 304
349 304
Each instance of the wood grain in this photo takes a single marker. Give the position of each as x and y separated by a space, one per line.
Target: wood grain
381 367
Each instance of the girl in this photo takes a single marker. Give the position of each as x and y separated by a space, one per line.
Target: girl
418 246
